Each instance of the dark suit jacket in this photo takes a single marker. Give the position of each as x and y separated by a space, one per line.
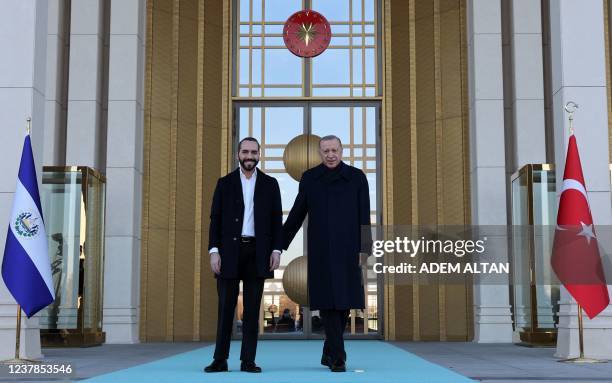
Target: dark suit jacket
226 216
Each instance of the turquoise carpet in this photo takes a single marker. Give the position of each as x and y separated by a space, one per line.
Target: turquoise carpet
287 361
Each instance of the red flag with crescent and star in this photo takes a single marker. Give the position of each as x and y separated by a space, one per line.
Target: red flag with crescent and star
575 258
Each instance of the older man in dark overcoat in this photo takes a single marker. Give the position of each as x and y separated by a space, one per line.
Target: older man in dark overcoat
336 198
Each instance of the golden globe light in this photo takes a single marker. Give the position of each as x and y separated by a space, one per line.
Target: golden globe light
301 154
295 280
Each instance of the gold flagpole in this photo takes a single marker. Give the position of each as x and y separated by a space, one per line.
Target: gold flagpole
18 333
580 333
18 359
570 108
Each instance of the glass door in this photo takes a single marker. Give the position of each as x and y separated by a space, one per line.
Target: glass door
275 124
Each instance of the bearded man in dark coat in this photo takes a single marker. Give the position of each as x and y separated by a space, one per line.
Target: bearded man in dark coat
336 198
245 237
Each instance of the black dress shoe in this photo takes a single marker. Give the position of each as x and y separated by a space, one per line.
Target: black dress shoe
338 366
249 367
218 365
326 360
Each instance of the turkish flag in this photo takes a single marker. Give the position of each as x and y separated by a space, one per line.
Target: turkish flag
575 258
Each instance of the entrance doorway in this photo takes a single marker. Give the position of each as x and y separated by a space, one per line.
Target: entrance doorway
275 124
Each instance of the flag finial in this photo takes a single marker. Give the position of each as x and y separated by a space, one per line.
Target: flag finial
28 125
570 108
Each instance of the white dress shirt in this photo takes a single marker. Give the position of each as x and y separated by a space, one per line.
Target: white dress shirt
248 190
248 219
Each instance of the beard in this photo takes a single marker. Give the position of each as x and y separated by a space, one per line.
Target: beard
248 164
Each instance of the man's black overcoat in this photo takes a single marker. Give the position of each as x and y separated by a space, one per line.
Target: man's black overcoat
337 208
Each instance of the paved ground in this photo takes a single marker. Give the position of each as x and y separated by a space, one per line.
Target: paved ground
490 363
507 363
93 361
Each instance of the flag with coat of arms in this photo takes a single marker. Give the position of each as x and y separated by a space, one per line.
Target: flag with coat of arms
25 267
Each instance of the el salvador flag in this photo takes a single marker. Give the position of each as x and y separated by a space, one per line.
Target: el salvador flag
25 267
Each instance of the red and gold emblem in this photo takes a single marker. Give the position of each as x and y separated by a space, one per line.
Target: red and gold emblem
307 33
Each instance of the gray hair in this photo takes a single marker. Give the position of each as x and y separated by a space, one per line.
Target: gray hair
329 138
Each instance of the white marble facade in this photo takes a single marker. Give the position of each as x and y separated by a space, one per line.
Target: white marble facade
492 319
23 43
124 170
579 75
74 86
85 93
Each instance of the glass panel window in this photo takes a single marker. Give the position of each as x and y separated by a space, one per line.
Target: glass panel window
334 11
331 92
282 67
357 11
369 66
370 10
357 66
244 66
244 10
275 41
282 124
280 10
332 67
256 65
324 118
349 63
274 29
336 41
340 30
257 10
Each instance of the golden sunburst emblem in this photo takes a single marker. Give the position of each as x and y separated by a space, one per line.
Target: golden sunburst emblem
307 33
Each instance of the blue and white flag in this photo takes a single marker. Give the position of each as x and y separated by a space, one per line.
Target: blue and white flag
25 268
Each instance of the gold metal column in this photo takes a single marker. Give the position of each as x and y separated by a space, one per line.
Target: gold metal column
182 163
427 128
